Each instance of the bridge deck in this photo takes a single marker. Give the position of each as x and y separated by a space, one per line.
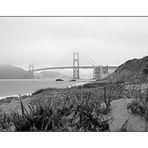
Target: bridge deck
70 67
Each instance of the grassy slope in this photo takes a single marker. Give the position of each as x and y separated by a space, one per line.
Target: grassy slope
85 101
131 70
73 109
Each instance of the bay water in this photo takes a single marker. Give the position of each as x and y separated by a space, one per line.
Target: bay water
12 87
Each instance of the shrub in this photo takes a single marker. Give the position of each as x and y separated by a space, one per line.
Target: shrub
139 106
136 108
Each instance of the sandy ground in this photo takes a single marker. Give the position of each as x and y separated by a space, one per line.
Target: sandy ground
120 115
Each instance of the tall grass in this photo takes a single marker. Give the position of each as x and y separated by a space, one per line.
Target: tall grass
69 109
66 112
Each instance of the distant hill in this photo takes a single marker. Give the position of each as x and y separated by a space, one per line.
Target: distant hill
49 74
131 71
12 72
53 75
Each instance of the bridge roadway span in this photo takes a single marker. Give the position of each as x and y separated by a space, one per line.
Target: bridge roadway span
71 67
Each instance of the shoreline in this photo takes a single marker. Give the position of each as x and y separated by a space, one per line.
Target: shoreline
78 83
11 103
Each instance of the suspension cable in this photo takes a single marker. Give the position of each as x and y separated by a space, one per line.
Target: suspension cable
61 59
91 61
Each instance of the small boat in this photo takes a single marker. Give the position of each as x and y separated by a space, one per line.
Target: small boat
72 80
59 80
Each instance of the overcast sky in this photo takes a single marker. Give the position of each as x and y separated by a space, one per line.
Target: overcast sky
44 41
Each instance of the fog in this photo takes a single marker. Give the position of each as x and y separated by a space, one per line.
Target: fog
43 41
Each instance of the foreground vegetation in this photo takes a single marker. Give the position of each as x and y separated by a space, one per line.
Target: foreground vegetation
77 109
74 117
139 106
69 109
82 113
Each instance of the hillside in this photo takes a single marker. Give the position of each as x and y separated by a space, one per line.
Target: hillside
131 71
12 72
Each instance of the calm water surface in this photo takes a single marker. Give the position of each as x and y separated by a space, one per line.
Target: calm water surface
16 87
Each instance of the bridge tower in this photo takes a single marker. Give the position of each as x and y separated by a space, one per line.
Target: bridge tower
98 72
76 65
31 67
30 74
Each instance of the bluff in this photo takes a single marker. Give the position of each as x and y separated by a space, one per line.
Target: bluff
131 71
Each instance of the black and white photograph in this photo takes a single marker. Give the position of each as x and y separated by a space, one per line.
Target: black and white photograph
73 74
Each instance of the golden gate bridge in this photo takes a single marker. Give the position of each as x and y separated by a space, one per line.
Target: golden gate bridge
98 71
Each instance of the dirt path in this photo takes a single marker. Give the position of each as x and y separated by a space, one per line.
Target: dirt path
120 115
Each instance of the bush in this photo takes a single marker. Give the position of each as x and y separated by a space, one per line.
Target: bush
136 108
